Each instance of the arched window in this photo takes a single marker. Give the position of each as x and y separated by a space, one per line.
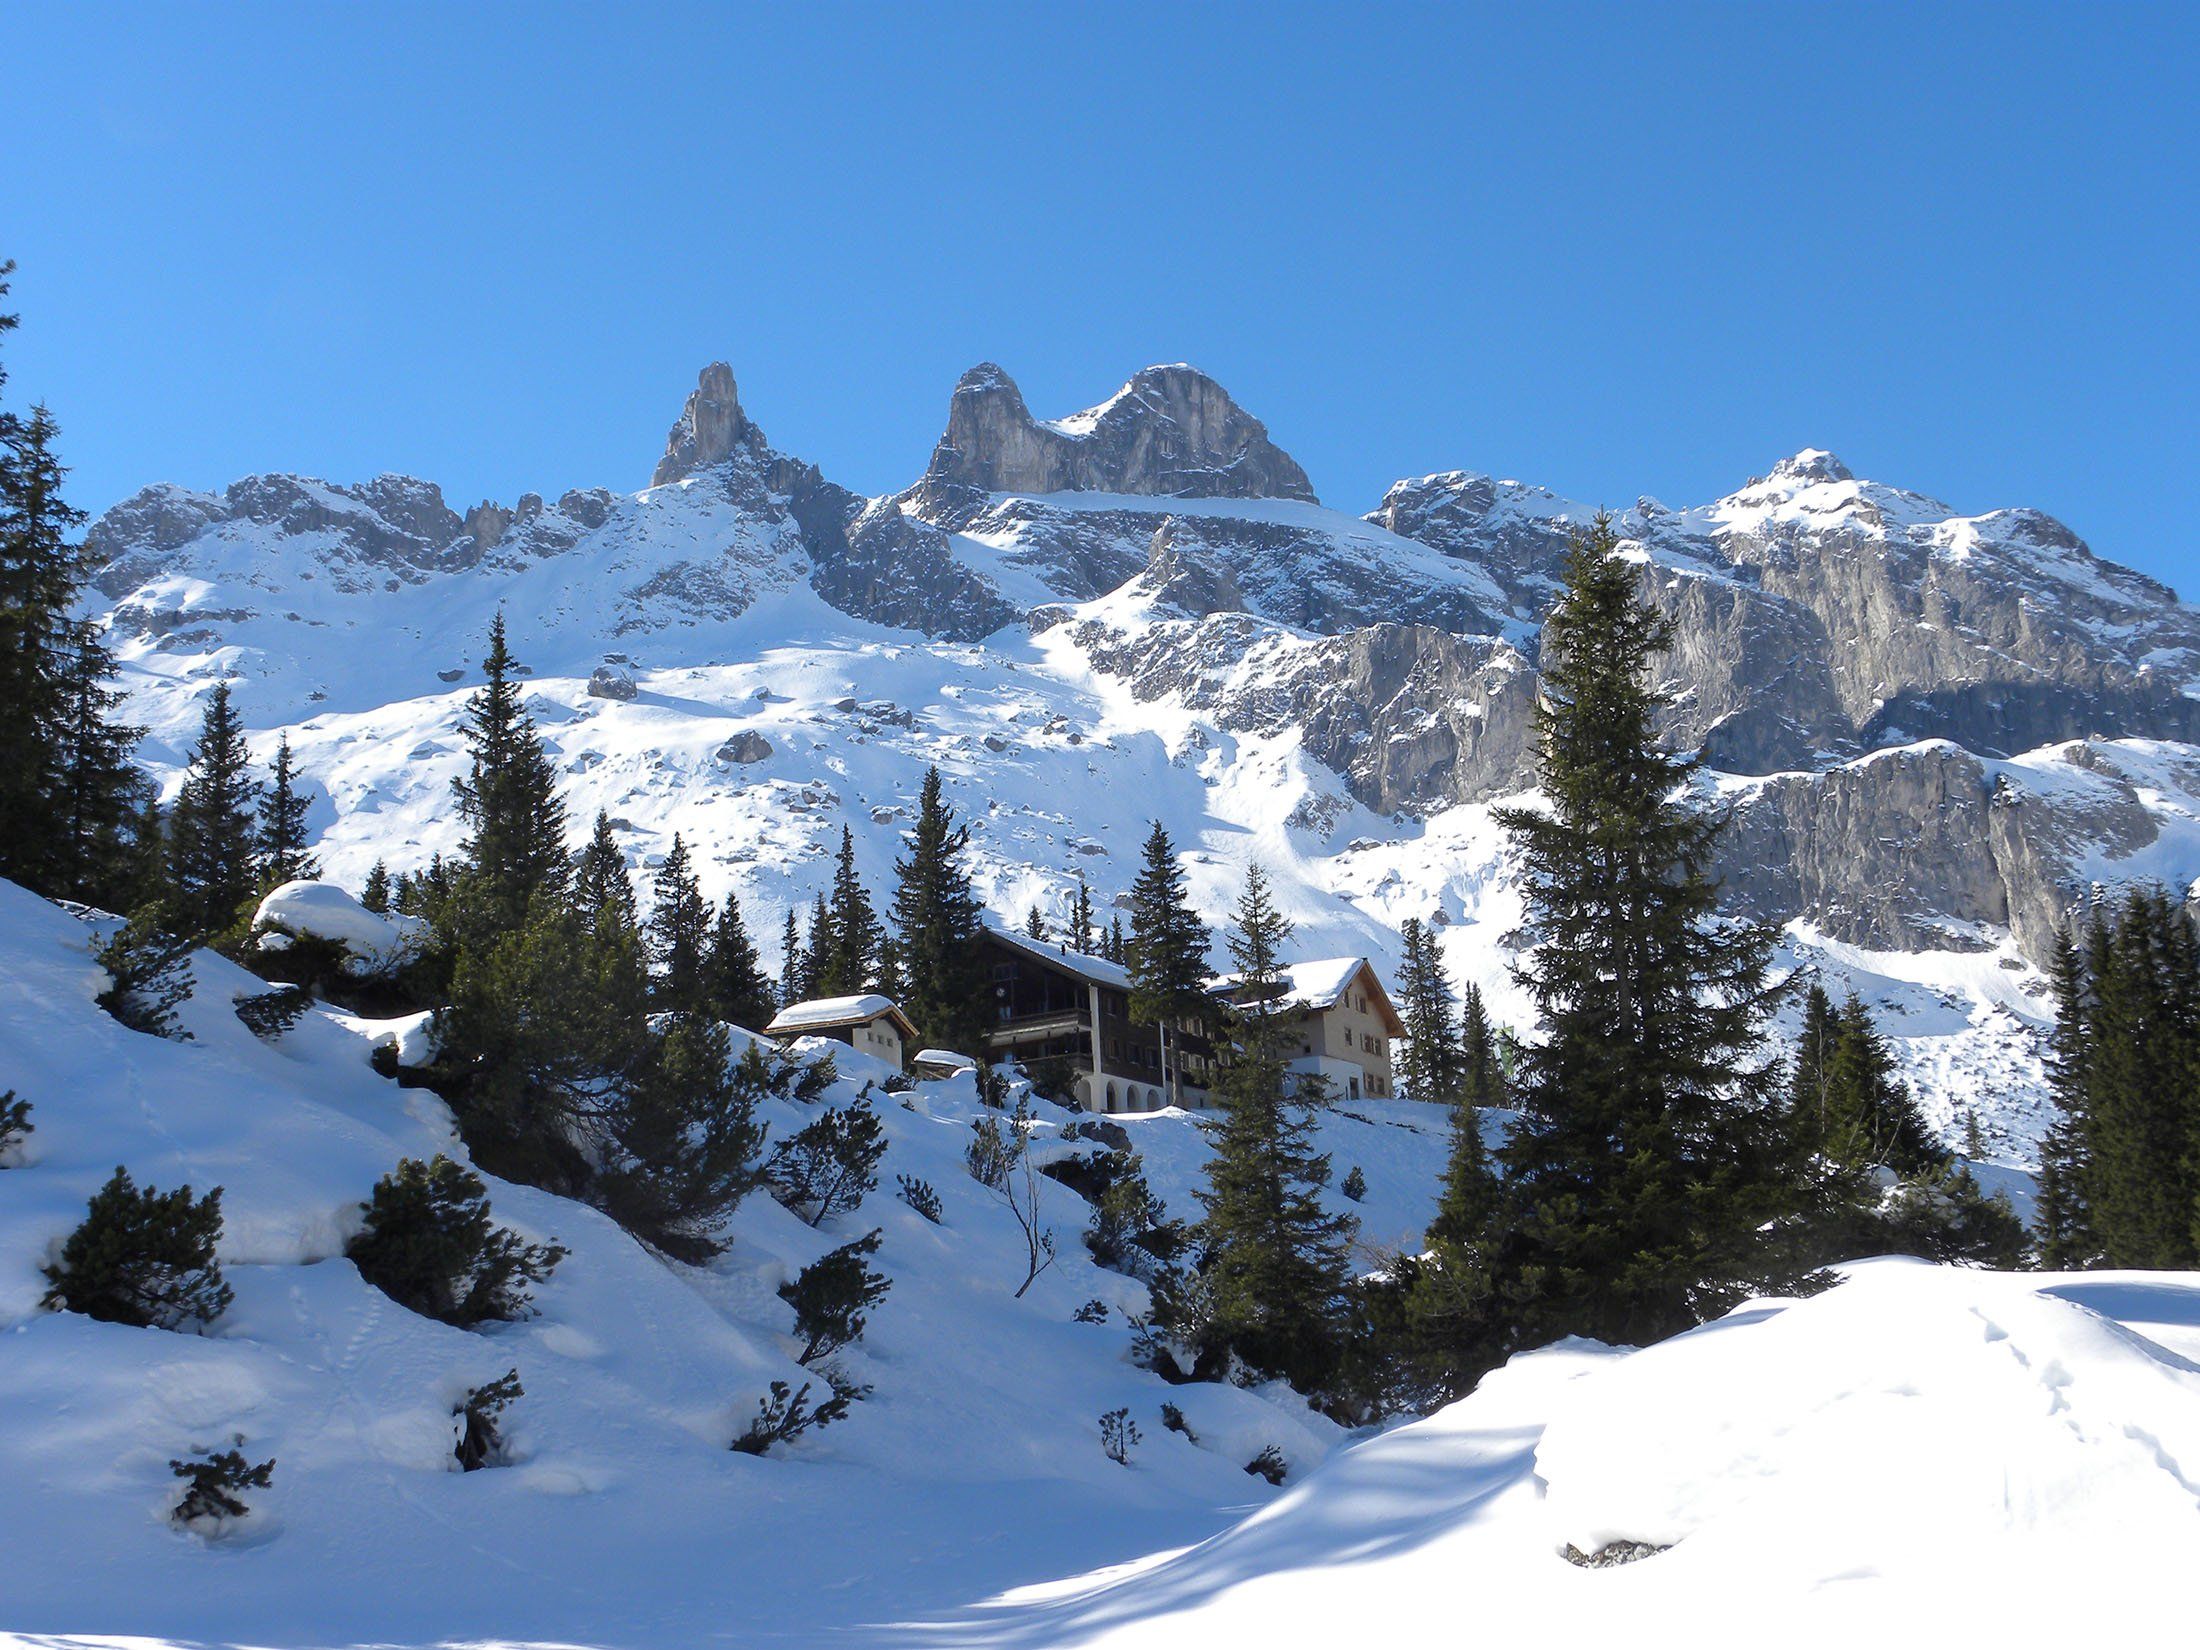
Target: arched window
1111 1097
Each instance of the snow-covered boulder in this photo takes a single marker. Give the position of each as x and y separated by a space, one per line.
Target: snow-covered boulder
375 942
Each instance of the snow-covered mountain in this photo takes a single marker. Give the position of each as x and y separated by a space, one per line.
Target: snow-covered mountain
1937 731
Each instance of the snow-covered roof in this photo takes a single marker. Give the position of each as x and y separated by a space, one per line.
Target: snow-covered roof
1086 966
822 1013
943 1057
1321 984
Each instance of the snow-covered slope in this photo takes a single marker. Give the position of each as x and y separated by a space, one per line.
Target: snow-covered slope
1919 1456
975 1465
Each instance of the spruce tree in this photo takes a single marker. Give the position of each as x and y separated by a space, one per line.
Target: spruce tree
1645 1163
1273 1260
1080 920
66 786
282 834
2062 1215
936 924
793 971
734 975
211 834
1432 1064
374 894
854 960
682 1138
2140 1105
1035 924
819 946
515 843
144 1258
1167 955
679 934
601 888
1119 945
1469 1196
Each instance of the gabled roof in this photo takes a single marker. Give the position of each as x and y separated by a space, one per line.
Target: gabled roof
832 1013
1082 964
1323 983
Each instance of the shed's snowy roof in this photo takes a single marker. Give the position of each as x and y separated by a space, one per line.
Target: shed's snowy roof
944 1057
832 1011
1097 969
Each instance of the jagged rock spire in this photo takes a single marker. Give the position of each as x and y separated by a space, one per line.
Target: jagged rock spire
710 426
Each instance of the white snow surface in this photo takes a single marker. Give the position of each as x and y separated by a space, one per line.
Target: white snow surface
377 942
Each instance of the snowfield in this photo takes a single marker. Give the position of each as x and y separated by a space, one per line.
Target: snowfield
1917 1448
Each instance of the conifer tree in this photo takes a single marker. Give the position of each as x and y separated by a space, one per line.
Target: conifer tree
66 786
374 894
2062 1215
679 934
1119 945
282 834
515 843
1167 955
2140 1105
793 971
143 1257
1469 1197
1433 1063
819 945
1645 1163
936 924
1080 920
1035 924
734 973
601 888
683 1138
211 832
1273 1260
854 960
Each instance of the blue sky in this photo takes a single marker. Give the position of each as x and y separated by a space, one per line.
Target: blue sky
1612 250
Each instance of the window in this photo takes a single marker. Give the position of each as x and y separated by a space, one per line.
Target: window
1111 1097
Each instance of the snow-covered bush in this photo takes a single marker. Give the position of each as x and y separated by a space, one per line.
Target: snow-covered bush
143 1257
786 1415
479 1419
1093 1311
15 1124
1118 1436
270 1014
1269 1464
920 1196
830 1164
213 1483
830 1297
430 1246
148 973
368 943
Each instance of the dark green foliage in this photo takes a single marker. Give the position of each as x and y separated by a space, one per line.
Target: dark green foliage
515 843
1269 1464
936 923
375 894
67 790
1130 1230
1053 1077
1172 1420
920 1196
817 951
2120 1170
281 840
480 1422
1432 1066
681 1137
1468 1200
143 1258
602 891
1354 1184
1118 1436
784 1416
679 935
1646 1161
1081 936
1168 954
15 1124
1845 1102
212 836
794 968
853 954
831 1297
271 1014
1093 1311
1944 1216
1119 945
215 1483
1273 1259
827 1166
430 1246
990 1154
148 968
734 975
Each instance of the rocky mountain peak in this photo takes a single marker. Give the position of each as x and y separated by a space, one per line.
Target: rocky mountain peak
1812 464
1171 431
710 426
